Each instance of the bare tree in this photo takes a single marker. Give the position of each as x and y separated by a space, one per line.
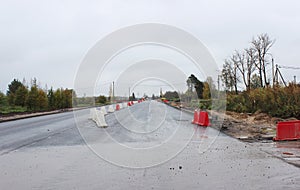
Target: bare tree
251 61
235 62
245 63
262 45
229 75
239 61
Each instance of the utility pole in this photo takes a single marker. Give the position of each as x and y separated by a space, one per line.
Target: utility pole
295 81
276 75
278 72
128 93
273 72
160 93
113 92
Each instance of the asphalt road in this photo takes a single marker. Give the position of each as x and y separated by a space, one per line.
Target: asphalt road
146 146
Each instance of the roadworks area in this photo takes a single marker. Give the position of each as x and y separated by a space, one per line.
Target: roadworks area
258 130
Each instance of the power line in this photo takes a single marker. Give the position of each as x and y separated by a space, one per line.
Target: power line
288 67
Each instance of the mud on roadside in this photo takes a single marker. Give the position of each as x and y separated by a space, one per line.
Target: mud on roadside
255 127
258 130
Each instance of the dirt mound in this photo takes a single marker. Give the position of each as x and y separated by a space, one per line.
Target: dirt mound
257 126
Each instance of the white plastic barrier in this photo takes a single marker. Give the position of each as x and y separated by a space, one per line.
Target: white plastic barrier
103 110
100 119
92 113
121 106
111 109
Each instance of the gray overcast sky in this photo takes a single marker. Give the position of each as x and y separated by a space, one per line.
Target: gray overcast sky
48 39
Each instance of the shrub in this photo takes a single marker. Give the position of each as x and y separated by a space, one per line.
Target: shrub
278 101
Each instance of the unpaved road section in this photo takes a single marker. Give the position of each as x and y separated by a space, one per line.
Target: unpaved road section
48 152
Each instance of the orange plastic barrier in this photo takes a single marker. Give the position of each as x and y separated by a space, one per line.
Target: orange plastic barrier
117 107
201 118
287 130
196 117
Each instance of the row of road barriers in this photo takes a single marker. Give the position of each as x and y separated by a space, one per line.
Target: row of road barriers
98 114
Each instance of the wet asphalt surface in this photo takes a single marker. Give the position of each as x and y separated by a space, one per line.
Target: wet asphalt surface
161 149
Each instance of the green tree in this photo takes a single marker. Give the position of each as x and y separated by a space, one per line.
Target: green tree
42 101
206 91
31 102
63 99
21 96
198 85
101 99
11 92
58 99
67 98
3 100
11 99
13 86
51 100
171 95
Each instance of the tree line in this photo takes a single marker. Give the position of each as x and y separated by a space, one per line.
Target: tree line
196 90
278 101
249 68
34 98
198 94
